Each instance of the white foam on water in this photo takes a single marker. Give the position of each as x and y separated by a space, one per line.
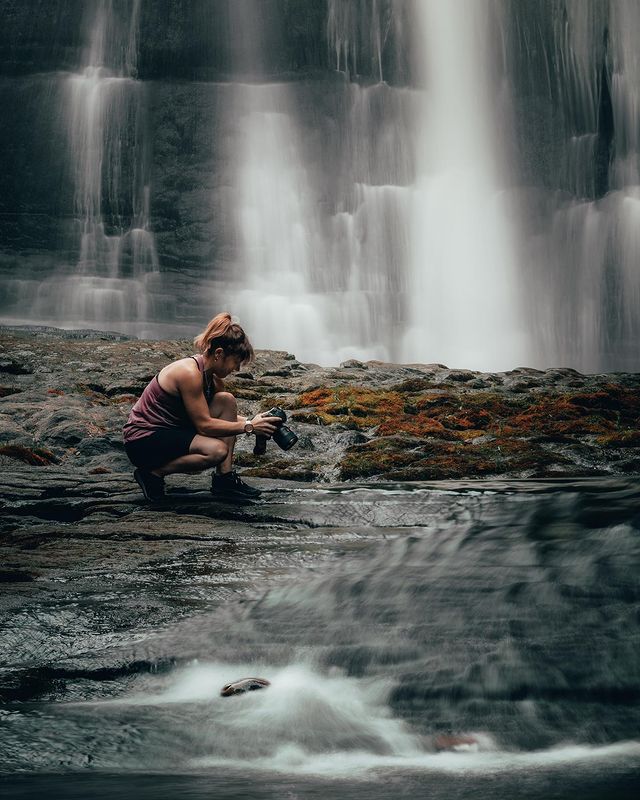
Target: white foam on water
309 723
295 760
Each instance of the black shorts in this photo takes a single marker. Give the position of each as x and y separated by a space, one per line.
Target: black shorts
159 447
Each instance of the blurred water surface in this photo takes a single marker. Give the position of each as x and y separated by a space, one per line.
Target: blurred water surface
503 611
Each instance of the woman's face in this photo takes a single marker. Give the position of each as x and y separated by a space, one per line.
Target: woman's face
226 365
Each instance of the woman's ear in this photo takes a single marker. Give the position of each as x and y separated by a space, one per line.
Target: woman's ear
218 354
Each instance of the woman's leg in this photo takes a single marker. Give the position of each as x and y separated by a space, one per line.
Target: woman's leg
204 453
208 451
227 484
224 406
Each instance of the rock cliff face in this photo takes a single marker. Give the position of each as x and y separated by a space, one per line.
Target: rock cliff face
179 39
66 395
184 123
174 135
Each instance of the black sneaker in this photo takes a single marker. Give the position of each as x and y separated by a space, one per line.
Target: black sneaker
230 486
152 486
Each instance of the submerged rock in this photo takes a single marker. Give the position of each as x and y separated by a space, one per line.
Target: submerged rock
243 685
458 744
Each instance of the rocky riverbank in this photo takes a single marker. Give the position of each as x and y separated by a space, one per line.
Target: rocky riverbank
65 396
90 571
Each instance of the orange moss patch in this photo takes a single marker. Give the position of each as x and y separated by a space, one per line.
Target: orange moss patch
399 458
445 467
426 434
421 414
434 403
477 411
354 407
486 406
55 392
560 415
524 455
461 422
396 458
418 425
628 438
579 413
37 456
624 403
470 434
99 471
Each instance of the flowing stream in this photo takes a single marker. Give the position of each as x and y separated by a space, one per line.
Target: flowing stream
502 612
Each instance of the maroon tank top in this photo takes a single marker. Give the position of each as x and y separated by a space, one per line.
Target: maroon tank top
156 409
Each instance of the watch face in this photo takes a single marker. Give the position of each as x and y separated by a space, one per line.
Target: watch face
248 427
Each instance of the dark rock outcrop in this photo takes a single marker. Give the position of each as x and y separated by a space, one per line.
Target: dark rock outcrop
67 395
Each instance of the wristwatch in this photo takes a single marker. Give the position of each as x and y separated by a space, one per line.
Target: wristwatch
248 428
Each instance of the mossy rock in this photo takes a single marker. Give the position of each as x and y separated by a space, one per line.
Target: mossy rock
285 470
354 407
379 457
625 438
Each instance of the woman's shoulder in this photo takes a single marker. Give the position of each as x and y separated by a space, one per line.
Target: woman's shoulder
190 362
179 371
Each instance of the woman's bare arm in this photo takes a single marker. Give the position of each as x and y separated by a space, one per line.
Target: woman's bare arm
189 384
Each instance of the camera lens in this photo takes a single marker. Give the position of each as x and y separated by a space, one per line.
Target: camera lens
285 438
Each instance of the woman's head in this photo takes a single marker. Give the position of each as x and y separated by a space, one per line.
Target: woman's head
222 333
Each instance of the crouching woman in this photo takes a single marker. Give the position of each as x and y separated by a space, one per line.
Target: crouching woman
185 420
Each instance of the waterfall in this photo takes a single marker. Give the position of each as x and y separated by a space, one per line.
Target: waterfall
463 305
580 250
111 194
322 281
306 280
105 109
278 239
431 213
404 180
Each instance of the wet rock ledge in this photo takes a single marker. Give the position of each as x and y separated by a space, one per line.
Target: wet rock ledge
64 396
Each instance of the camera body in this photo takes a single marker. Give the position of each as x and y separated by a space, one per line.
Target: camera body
284 437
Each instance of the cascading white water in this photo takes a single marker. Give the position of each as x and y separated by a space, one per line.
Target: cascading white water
325 285
463 307
278 243
462 184
579 263
432 233
299 284
106 123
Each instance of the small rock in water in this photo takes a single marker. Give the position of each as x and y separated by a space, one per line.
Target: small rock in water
458 744
243 685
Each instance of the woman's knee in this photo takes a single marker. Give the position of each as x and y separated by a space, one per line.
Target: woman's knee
223 403
213 451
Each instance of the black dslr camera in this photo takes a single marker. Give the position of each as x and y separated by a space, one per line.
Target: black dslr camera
284 437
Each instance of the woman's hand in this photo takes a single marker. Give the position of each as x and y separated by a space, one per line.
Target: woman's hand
265 426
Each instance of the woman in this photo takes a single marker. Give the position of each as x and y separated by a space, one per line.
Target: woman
185 421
